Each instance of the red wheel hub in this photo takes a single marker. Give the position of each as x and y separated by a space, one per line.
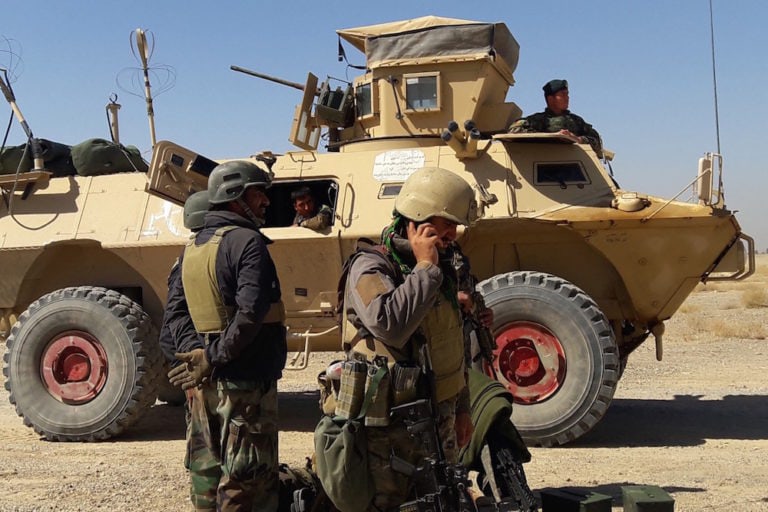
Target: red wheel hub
74 367
530 360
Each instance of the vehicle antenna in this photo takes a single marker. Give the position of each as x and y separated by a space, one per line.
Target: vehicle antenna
136 81
714 74
145 52
114 127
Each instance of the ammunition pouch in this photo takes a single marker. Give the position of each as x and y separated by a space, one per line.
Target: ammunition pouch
398 384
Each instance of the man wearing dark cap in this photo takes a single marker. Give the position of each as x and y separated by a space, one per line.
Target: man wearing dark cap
556 118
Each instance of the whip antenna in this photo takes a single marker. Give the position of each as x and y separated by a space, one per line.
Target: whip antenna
714 74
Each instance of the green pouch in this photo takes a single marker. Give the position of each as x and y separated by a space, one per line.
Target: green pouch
341 452
341 456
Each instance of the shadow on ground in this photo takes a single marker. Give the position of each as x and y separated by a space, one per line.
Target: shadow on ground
299 412
687 420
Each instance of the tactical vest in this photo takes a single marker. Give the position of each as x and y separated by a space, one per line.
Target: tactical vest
201 287
444 334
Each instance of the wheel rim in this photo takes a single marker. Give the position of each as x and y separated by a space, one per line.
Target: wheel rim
530 361
74 367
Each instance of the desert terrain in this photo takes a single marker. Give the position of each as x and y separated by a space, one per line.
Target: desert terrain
695 424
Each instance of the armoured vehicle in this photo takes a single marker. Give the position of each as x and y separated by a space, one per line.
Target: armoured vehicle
579 272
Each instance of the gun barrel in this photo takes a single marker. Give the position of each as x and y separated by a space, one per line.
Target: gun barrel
271 78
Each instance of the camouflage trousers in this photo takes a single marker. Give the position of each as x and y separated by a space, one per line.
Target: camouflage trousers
232 453
394 488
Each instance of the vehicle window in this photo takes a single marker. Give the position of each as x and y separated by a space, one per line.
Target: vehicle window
389 190
561 173
280 212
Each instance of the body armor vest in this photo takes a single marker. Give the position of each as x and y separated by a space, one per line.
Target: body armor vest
201 287
443 330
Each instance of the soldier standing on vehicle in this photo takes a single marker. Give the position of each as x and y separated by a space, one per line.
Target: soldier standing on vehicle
556 118
413 293
233 294
307 213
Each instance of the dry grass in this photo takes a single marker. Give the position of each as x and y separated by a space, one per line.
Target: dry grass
703 324
755 296
726 309
753 290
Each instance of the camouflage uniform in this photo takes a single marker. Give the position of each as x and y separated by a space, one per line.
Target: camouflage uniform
408 304
232 441
320 220
549 122
232 446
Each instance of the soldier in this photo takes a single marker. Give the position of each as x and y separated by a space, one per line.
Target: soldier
307 214
177 333
233 295
556 118
413 293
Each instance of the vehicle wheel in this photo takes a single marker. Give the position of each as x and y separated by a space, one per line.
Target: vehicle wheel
81 364
556 353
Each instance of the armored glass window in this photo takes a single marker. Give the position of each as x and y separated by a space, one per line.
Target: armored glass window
422 92
364 100
561 173
389 190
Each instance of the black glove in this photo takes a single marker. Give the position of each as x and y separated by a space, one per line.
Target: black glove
194 372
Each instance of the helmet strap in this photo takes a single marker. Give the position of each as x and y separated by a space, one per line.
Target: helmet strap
249 213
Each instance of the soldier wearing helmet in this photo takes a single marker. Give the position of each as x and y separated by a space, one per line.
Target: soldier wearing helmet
232 292
177 333
402 296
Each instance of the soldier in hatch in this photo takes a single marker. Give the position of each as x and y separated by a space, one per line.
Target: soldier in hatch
556 118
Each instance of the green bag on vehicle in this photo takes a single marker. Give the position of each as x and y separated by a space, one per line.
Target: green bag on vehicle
95 157
341 455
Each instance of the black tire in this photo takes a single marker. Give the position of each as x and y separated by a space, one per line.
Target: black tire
587 361
129 365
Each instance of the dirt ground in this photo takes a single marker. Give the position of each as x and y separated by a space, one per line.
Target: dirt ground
695 424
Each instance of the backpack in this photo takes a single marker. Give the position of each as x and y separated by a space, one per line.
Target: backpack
363 246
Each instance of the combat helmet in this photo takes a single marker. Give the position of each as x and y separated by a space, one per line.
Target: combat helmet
436 192
195 208
228 181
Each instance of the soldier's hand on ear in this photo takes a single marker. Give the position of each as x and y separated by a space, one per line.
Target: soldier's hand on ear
423 239
195 370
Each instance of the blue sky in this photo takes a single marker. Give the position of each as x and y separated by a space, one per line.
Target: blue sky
639 71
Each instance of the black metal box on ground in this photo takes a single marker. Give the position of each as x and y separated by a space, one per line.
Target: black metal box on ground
574 500
646 498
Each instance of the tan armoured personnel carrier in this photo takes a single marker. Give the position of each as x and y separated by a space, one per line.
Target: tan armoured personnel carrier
579 272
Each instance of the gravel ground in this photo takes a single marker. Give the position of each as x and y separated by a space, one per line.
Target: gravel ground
695 424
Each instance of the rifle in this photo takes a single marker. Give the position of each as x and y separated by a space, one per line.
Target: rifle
507 480
483 336
439 485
